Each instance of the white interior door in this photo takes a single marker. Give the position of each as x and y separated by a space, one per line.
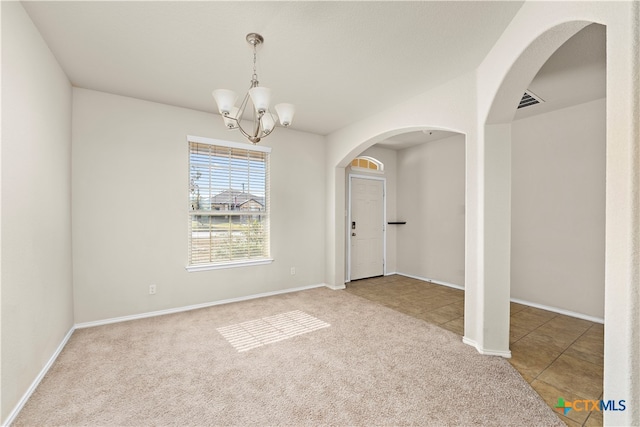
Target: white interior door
367 228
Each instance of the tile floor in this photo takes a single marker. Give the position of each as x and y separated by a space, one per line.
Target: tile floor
560 356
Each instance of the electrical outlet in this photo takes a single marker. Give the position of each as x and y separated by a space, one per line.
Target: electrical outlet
293 271
152 289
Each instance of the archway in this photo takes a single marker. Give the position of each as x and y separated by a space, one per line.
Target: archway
557 210
489 332
341 155
621 287
533 35
558 182
424 229
425 189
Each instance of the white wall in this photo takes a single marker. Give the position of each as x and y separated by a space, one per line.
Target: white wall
461 105
466 106
37 300
431 198
130 187
388 158
447 107
531 36
558 205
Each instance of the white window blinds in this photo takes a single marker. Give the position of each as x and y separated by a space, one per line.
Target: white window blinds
228 202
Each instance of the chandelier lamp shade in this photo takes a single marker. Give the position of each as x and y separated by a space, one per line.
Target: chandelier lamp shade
257 99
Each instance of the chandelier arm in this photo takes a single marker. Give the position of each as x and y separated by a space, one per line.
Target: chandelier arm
255 138
243 106
267 133
258 124
241 110
245 133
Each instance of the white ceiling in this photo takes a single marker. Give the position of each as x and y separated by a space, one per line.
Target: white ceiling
337 62
574 74
409 139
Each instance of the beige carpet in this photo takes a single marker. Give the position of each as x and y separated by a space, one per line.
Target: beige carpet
370 366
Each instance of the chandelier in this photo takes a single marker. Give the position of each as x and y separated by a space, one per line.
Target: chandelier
264 121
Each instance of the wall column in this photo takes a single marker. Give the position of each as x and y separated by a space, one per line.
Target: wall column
335 239
622 257
487 309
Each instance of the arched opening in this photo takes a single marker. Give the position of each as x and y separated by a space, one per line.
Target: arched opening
424 179
547 188
534 35
558 182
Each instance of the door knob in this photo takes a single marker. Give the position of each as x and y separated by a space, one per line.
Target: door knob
353 234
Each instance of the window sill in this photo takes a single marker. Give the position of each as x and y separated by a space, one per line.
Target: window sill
204 267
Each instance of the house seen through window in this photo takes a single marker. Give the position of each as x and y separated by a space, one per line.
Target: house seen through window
228 202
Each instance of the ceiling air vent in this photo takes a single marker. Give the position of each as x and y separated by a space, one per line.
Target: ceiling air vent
528 99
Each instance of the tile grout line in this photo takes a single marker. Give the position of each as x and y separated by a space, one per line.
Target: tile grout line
601 396
533 330
562 352
546 367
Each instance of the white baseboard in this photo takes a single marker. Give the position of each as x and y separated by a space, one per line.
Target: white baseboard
517 300
25 397
506 354
349 280
192 307
501 353
469 341
14 413
559 311
487 352
437 282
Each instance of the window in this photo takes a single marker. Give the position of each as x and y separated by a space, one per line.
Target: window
228 203
368 163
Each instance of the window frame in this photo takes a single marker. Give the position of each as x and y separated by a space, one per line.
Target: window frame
230 263
371 160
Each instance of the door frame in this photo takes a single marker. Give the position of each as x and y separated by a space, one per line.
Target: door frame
384 223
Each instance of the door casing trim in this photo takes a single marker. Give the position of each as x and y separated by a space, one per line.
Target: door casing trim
384 224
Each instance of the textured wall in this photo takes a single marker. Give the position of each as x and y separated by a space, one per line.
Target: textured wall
37 309
467 105
130 186
558 190
431 195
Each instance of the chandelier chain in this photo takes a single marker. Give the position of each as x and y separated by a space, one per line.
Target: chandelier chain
255 75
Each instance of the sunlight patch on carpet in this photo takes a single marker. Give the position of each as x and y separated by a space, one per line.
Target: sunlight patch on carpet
256 333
